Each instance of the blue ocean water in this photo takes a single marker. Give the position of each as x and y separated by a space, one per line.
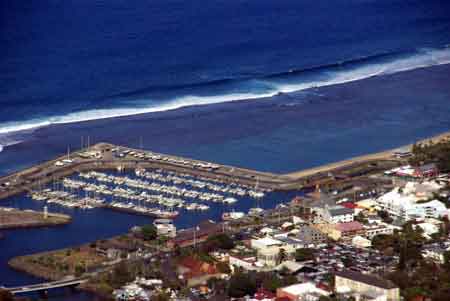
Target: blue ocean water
65 61
354 76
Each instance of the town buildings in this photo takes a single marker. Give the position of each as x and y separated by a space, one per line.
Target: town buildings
335 214
302 292
410 202
195 235
365 286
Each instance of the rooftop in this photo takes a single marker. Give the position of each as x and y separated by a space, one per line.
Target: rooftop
367 279
350 226
339 210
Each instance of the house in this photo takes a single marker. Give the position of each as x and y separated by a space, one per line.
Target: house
350 229
165 227
375 229
367 204
336 214
268 249
361 242
329 230
310 236
302 292
369 286
196 271
265 242
435 252
403 203
114 249
269 257
428 229
248 263
292 266
195 235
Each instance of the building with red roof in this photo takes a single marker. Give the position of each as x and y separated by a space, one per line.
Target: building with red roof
191 267
349 230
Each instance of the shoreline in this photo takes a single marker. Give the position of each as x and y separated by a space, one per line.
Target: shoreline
311 121
145 112
383 155
26 180
11 219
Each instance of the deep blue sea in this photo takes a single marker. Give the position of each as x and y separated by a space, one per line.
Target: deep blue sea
66 61
271 85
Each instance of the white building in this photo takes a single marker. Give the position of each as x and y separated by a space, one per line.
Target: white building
165 227
365 286
265 242
248 263
268 250
302 292
335 214
404 204
361 242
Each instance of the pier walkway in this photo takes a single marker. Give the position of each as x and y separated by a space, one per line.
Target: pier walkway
45 286
104 156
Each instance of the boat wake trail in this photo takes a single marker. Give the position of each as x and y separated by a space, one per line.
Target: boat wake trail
239 88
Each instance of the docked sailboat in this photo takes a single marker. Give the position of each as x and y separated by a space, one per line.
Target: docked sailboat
256 211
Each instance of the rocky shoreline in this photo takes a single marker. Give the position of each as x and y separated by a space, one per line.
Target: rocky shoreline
11 218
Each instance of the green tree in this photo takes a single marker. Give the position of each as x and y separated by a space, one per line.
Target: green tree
272 283
446 264
304 254
162 296
149 232
361 218
79 269
383 241
241 284
220 241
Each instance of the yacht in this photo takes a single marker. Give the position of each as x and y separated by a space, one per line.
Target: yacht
255 211
229 201
228 216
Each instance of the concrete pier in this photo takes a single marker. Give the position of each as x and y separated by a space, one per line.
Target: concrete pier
105 156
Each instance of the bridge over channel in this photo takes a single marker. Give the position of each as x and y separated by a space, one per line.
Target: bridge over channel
45 286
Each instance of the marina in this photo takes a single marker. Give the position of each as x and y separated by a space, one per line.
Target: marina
157 185
167 171
155 193
102 156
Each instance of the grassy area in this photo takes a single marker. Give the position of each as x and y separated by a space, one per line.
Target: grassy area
60 263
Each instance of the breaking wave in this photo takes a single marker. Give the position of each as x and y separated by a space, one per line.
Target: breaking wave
241 88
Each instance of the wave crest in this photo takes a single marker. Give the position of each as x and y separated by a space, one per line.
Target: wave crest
251 88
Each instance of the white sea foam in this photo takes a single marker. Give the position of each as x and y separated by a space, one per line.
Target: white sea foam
426 58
